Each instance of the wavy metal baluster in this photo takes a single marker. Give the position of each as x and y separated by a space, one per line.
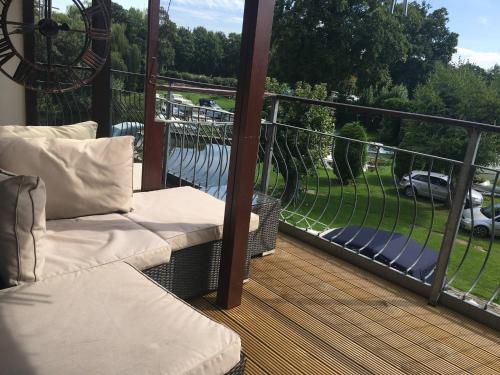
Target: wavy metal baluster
339 175
431 195
196 152
492 239
493 298
367 210
398 209
469 243
301 159
382 213
412 228
281 164
313 205
354 206
291 199
271 191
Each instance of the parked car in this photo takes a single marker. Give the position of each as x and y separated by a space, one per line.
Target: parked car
438 183
179 99
211 110
486 220
209 103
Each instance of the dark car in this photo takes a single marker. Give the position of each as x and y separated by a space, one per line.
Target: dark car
209 103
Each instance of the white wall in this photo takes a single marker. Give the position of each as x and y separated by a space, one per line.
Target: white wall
11 94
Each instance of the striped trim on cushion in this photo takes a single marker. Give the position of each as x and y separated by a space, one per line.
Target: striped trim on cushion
22 226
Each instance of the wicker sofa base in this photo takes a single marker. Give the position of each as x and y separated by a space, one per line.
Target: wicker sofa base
194 271
268 209
239 369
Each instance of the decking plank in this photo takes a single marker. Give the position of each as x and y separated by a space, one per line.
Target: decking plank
411 306
307 312
365 321
260 352
284 336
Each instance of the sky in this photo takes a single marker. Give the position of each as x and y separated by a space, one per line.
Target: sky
476 21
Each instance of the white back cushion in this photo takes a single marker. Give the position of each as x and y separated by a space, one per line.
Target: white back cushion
82 130
82 177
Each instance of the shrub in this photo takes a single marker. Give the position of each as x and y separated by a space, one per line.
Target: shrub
357 153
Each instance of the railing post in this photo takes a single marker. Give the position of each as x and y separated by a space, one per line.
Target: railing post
269 146
168 135
453 222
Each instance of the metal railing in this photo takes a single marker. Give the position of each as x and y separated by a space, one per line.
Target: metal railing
411 228
198 155
408 231
407 225
128 107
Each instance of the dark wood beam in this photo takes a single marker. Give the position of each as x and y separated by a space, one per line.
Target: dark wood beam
101 85
256 38
154 157
154 132
30 97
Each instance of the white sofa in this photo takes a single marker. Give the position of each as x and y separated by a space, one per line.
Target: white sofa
80 300
94 312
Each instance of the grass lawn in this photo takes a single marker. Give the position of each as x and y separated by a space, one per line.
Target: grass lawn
226 103
374 203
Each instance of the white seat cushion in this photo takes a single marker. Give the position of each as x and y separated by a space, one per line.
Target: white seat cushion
182 216
108 320
74 244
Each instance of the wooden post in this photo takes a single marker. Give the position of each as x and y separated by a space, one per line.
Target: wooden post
101 85
30 97
256 37
154 132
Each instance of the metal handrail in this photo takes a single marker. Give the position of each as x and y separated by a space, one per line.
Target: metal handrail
393 113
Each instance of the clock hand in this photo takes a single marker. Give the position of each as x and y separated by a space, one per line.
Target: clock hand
23 29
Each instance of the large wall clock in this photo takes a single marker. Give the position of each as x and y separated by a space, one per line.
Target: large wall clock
69 49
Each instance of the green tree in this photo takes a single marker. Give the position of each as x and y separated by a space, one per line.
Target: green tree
231 55
341 41
332 40
458 92
430 42
208 51
350 156
167 36
184 50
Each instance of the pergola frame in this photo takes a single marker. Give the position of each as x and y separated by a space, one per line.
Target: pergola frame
254 53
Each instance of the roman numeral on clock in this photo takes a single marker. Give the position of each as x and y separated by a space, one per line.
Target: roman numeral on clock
23 72
92 59
6 52
96 33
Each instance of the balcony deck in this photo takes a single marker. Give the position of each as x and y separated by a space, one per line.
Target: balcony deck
306 312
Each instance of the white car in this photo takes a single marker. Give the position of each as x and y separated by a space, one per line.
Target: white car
421 181
484 220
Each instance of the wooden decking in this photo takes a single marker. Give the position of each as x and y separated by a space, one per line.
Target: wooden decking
306 312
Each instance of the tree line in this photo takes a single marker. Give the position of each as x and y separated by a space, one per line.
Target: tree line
330 49
198 51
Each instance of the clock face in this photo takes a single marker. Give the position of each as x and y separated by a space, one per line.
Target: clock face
70 46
